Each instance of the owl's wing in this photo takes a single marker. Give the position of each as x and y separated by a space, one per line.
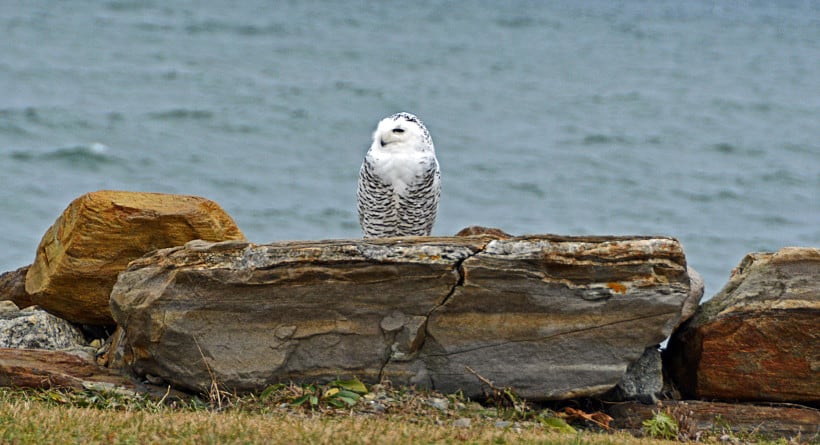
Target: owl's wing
377 214
419 205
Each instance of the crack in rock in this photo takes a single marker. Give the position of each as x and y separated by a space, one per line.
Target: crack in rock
418 344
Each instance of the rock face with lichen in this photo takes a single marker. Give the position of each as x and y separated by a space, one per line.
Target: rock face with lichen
758 339
32 328
554 317
95 238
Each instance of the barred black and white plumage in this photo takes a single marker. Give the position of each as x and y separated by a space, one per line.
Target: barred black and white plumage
399 182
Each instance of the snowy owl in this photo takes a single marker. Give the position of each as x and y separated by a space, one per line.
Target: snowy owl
399 182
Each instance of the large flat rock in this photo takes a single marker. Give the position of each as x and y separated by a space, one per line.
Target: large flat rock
553 317
95 238
758 339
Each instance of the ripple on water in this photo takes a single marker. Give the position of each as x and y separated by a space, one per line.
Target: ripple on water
181 114
90 157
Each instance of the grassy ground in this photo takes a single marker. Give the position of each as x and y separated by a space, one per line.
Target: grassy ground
341 414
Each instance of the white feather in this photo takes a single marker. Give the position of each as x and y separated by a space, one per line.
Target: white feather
399 184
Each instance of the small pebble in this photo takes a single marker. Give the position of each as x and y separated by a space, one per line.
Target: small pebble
154 380
502 423
462 423
376 407
438 403
8 307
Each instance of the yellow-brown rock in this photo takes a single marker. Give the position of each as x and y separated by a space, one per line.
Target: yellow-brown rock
95 238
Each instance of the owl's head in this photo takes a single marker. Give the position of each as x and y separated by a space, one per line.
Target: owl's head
403 130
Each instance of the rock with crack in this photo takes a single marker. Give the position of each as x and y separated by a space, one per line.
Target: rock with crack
301 311
551 316
556 317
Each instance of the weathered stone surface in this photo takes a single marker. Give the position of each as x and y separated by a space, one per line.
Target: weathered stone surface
93 240
643 379
13 287
7 307
33 328
30 368
551 316
696 288
484 231
556 317
758 339
300 311
714 419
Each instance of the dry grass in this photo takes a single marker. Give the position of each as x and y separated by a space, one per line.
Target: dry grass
32 417
31 422
307 414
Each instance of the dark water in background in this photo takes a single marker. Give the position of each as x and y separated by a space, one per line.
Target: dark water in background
697 119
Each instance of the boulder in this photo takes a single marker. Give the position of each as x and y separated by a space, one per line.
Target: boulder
95 238
553 317
758 339
13 288
32 328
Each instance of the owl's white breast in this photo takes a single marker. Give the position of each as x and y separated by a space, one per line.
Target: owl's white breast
400 167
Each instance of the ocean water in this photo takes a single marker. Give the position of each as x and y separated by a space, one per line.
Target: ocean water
697 119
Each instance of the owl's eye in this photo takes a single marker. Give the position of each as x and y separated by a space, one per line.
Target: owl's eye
398 130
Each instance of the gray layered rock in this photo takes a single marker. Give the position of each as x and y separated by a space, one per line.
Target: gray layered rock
553 317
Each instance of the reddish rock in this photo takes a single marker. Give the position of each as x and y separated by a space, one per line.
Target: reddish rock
759 338
13 288
702 419
38 368
484 231
97 236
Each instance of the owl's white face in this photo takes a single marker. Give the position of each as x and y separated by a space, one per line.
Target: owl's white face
401 132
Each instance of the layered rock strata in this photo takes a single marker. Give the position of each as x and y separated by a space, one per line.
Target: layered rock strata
553 317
